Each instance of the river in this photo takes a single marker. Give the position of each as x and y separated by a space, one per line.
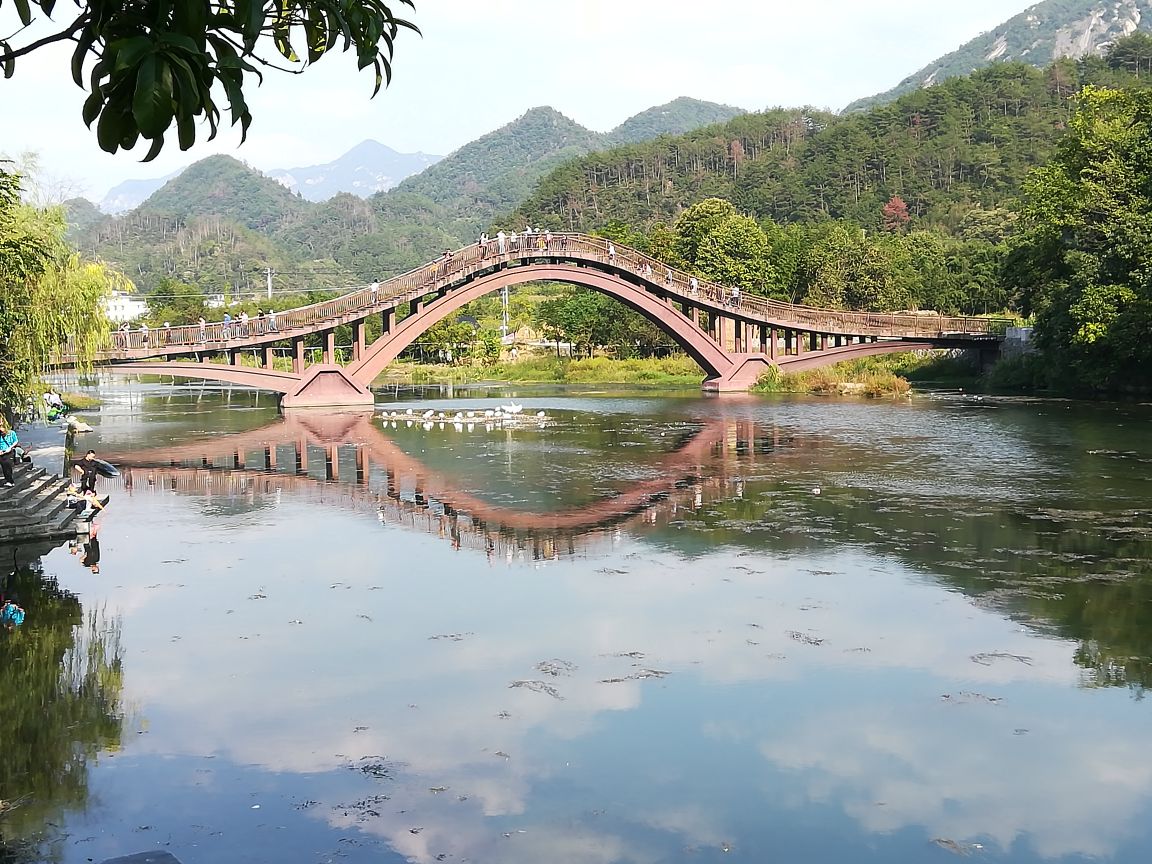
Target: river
643 628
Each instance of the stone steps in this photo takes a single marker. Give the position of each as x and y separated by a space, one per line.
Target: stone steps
36 507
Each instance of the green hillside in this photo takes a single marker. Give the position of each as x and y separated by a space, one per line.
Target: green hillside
225 187
673 118
1037 36
966 143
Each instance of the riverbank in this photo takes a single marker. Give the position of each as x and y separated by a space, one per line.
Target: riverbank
891 375
676 371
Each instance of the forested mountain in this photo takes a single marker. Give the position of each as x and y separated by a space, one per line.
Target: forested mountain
963 144
227 188
220 221
673 118
1039 35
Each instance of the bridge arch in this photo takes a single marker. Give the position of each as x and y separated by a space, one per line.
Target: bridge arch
711 357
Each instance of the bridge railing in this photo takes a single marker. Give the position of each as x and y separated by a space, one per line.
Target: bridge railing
579 248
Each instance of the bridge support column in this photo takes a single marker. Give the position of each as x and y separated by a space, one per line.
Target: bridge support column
387 320
764 340
798 342
415 307
823 341
327 385
266 356
837 341
298 355
729 342
772 342
357 339
739 336
696 315
745 371
233 357
329 347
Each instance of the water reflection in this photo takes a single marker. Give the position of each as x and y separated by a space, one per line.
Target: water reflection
718 662
60 687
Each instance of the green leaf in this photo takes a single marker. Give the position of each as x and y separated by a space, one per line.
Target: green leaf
110 128
152 101
24 12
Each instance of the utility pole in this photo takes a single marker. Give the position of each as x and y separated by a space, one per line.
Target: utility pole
268 273
504 317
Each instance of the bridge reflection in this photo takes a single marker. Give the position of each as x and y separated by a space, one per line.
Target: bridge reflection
348 461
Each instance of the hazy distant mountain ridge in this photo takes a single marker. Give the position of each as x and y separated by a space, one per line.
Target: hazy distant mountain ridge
1037 36
366 169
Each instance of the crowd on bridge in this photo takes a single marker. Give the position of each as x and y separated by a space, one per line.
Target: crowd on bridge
228 328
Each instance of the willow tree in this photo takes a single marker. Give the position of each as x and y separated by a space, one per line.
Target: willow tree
49 297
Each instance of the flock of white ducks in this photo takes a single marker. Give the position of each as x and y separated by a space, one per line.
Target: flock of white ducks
502 415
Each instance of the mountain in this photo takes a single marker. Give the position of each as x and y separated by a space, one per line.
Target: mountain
224 187
674 118
494 173
961 145
202 224
367 168
1040 34
132 193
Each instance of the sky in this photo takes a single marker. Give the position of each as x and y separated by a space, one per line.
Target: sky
478 66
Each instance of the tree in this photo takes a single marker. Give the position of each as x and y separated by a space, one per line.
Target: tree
175 302
697 222
151 65
1085 265
894 217
735 253
48 295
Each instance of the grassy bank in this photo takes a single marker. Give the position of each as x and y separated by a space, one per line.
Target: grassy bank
865 377
662 372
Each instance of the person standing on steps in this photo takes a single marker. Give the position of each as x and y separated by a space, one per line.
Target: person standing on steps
8 442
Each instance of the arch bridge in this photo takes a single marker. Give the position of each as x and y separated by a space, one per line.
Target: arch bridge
734 337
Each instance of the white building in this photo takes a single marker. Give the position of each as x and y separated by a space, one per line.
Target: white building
124 307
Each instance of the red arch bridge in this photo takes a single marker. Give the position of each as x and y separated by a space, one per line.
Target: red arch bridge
734 337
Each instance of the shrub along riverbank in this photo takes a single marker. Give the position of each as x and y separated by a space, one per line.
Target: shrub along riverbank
891 375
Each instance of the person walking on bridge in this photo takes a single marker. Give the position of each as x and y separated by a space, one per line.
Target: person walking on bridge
501 240
375 291
514 242
611 254
271 320
203 329
226 328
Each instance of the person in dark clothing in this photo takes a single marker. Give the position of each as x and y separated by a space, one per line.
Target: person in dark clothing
90 557
88 472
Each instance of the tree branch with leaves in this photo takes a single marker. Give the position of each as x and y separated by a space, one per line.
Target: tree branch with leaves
155 64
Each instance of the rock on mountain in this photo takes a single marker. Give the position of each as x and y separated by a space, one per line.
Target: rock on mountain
1037 36
366 169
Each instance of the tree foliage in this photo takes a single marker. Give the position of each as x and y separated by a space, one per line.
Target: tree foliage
48 295
149 66
1085 264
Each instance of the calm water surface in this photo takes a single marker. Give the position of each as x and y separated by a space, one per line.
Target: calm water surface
646 629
